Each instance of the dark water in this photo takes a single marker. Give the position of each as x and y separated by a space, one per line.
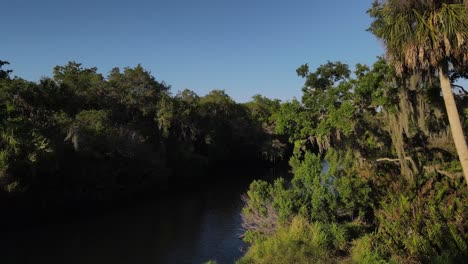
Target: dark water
191 226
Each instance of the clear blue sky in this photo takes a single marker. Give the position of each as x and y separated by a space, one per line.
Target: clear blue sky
242 46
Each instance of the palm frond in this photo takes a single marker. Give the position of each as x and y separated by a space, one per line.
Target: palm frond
418 35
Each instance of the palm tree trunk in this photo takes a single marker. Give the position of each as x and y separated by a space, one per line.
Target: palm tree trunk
454 118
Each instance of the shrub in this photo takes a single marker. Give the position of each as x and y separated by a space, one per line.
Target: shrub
363 252
426 223
299 242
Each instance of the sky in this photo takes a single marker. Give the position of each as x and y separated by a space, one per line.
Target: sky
245 47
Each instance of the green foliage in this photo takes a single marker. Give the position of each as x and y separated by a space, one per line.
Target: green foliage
23 137
353 190
292 120
427 222
135 89
4 74
285 200
374 180
259 193
373 88
350 185
335 109
299 242
165 115
263 108
421 35
363 251
267 206
315 188
91 131
83 136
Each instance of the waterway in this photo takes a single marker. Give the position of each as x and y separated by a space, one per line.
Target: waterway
192 225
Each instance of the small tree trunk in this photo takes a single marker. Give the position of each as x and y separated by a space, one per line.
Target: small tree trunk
454 119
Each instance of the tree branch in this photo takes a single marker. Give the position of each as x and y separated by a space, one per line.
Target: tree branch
393 160
461 88
451 175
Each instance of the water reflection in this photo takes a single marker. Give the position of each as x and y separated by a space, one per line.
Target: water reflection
184 227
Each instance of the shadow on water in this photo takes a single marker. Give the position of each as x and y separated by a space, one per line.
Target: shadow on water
189 226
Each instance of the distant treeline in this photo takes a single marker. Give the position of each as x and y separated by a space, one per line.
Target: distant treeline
82 136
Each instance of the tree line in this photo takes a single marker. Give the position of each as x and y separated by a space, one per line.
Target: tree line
82 136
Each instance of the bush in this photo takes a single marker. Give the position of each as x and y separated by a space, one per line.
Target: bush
299 242
426 223
363 252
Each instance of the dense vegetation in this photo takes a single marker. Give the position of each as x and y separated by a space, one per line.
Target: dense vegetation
391 188
377 176
80 136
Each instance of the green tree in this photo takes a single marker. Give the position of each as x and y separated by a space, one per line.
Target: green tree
136 89
263 108
4 74
23 129
425 36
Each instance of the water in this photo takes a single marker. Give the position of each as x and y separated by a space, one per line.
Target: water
191 226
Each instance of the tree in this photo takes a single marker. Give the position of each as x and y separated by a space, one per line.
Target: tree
136 89
23 133
424 37
4 74
262 108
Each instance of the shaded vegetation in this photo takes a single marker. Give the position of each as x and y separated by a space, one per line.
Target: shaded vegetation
80 136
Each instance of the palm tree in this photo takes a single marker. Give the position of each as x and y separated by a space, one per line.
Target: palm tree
425 36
